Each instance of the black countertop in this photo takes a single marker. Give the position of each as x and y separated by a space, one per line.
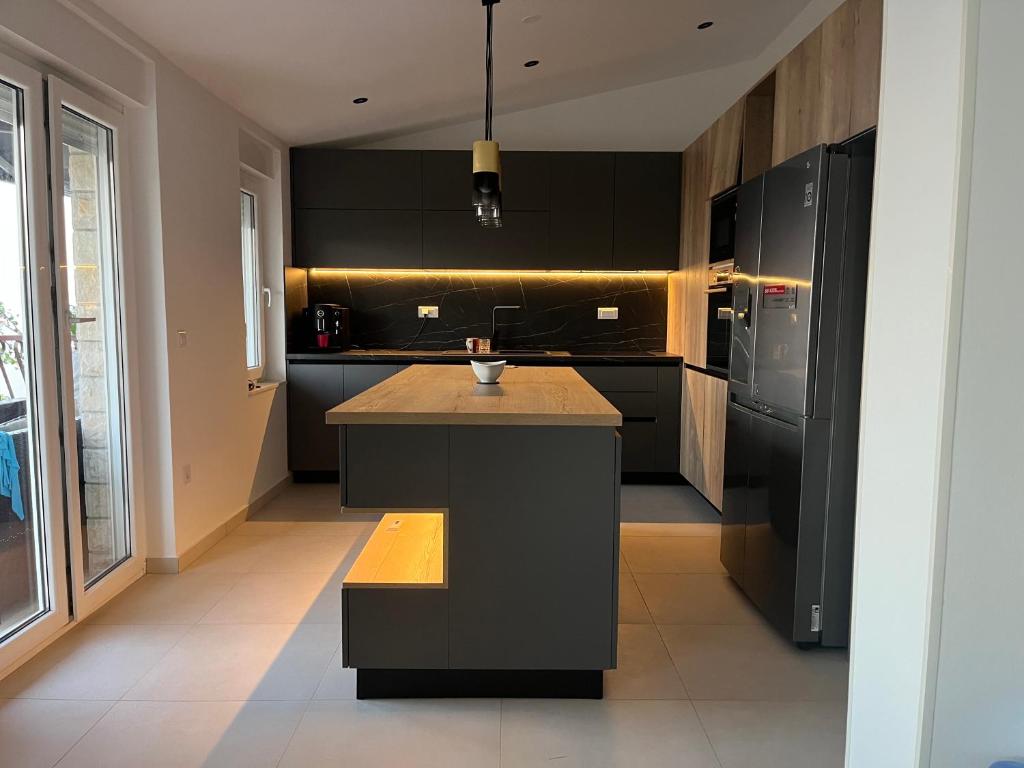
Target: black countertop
513 357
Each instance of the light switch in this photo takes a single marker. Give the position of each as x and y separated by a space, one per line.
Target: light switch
607 313
182 338
430 312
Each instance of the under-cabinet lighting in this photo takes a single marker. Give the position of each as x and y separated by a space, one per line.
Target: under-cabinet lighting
527 273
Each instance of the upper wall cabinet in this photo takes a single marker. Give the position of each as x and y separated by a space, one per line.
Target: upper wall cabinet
448 181
582 209
646 210
356 179
826 89
562 210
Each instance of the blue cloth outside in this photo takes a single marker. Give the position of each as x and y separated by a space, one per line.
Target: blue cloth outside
10 484
1007 764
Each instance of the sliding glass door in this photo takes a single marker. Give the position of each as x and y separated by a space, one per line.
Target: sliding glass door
86 213
33 587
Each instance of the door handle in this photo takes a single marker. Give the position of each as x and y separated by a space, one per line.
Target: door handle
266 292
78 320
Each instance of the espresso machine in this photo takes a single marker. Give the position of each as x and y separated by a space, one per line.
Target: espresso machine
330 327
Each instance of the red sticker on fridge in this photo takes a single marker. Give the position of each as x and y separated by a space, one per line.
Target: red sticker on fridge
779 296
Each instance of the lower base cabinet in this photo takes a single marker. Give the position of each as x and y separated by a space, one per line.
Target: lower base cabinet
647 395
702 433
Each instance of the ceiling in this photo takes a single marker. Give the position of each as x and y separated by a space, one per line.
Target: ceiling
294 67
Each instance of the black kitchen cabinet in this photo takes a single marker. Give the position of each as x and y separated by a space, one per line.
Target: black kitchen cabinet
562 210
648 398
356 179
582 209
647 207
313 389
359 378
368 239
454 240
448 181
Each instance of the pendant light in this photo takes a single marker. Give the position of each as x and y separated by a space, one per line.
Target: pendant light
486 158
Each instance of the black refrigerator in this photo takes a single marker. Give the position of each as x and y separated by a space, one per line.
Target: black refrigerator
794 388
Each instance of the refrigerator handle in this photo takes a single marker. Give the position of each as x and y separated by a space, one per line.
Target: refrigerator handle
744 314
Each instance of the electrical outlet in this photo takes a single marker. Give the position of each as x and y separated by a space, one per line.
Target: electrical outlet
607 313
187 473
430 312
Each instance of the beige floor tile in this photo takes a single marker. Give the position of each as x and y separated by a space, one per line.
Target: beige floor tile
671 529
299 495
672 554
263 528
733 663
333 528
232 554
92 662
282 662
166 599
309 554
644 670
279 598
188 735
338 682
776 734
632 609
36 734
446 733
695 599
603 734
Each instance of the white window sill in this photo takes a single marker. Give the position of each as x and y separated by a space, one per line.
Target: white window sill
264 386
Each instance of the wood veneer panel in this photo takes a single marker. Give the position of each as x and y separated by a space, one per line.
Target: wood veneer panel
867 63
716 394
691 435
725 137
405 550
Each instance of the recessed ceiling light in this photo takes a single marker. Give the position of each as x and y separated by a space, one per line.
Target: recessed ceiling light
531 18
531 63
705 24
360 100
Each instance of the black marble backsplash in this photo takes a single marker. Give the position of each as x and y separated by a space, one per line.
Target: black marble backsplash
559 310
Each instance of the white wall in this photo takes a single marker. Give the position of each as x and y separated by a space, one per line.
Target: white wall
909 383
979 696
666 115
183 147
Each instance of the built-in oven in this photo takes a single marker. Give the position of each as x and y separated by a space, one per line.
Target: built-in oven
719 317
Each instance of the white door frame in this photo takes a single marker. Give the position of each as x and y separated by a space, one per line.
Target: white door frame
88 600
45 398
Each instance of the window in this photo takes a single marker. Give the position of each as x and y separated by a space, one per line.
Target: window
251 287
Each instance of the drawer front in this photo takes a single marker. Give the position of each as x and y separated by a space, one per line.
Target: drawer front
395 628
620 379
634 405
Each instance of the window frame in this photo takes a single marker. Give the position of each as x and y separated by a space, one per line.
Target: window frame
254 373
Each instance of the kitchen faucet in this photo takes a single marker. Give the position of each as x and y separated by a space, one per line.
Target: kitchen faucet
494 337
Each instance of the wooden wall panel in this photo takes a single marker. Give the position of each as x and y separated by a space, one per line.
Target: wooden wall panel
716 396
691 433
696 212
826 89
867 63
724 137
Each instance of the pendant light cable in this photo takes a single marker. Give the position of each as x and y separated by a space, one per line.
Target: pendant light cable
489 73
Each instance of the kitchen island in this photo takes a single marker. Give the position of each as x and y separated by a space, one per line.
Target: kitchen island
495 570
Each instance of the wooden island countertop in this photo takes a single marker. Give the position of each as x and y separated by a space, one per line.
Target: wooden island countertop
450 394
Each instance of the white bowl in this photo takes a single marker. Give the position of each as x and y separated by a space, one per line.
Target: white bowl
487 373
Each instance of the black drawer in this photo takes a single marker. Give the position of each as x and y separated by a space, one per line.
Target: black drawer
625 379
634 405
639 446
